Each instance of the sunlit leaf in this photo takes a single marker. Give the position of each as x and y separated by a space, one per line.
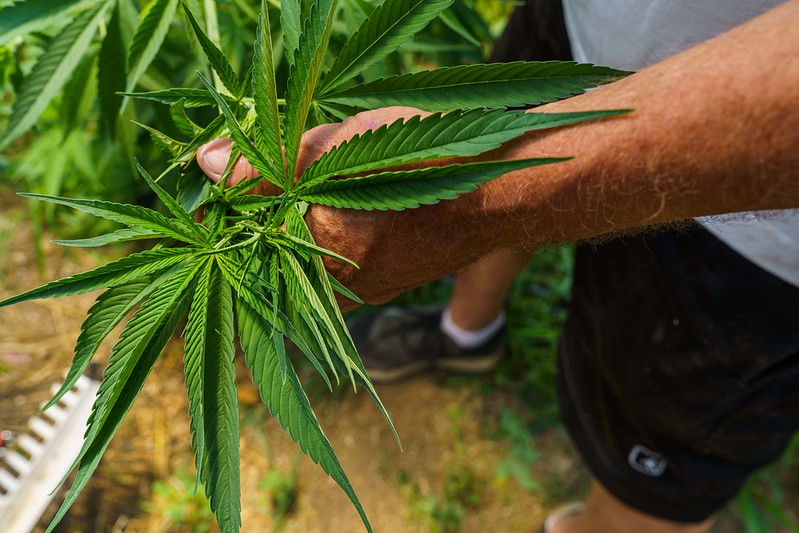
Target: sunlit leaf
216 58
286 399
265 88
412 188
115 237
124 270
390 25
439 135
496 85
210 382
107 312
142 341
130 215
304 74
51 72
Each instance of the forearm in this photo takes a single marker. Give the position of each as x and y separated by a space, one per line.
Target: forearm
715 130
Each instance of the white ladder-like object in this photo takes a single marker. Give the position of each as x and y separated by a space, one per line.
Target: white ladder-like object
31 470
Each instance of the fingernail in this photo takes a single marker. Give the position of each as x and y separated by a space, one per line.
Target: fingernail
214 157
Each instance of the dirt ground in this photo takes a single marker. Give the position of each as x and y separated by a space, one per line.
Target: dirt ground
446 479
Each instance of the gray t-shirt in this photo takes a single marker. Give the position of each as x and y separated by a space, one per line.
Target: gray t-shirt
633 34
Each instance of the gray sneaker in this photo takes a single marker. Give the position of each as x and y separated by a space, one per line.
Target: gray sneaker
395 343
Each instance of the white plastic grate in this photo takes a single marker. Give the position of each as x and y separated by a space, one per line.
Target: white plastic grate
52 443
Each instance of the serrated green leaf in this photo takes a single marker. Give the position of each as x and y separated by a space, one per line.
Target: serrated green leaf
134 371
51 72
183 123
341 289
304 75
107 312
440 135
308 300
193 364
148 38
286 399
130 215
308 248
242 142
498 85
137 336
412 188
121 271
253 202
174 207
220 406
29 16
320 280
163 141
265 93
115 237
216 58
390 25
284 326
291 24
111 71
191 97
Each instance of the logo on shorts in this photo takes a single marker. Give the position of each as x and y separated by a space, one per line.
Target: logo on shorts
646 461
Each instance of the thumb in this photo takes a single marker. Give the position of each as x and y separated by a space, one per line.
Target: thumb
213 157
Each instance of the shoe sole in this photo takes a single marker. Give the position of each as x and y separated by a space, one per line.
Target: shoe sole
459 365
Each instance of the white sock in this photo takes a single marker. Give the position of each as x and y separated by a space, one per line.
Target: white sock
469 339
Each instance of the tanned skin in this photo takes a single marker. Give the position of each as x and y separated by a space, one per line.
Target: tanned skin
714 130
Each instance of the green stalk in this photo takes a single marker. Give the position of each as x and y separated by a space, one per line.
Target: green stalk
212 30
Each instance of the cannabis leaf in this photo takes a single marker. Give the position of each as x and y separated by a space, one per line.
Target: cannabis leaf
500 85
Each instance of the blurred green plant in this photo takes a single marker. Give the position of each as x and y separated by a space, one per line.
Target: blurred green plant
763 504
181 503
521 453
443 511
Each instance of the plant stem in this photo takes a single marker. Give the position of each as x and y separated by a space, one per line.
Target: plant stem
212 29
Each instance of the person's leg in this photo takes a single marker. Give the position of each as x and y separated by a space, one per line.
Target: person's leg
677 372
480 290
604 513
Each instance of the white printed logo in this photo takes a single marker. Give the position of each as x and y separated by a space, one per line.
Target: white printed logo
646 461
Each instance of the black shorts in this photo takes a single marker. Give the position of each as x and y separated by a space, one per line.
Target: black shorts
678 370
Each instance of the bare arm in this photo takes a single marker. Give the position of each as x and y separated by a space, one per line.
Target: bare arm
715 130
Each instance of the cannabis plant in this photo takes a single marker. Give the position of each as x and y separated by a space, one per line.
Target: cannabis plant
245 265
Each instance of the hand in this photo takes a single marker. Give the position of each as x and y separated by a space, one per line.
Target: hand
213 157
355 234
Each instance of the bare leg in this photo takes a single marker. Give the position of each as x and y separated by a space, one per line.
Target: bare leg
481 288
605 514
